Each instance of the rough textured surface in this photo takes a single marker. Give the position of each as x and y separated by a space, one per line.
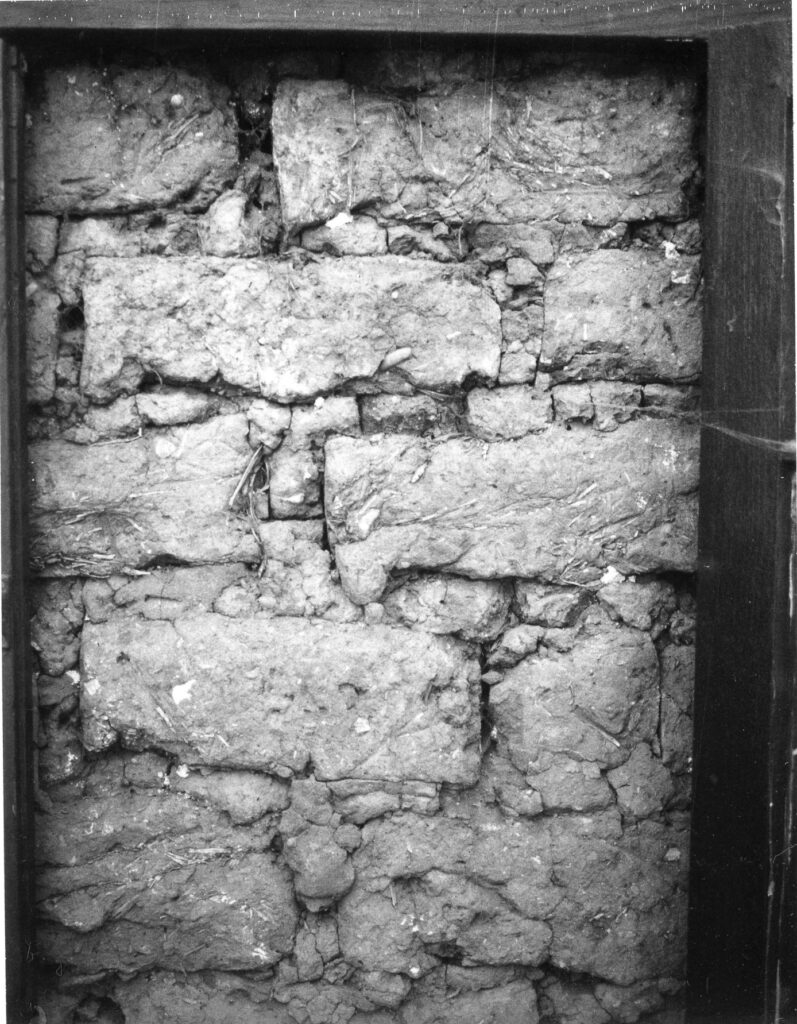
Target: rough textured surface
170 233
562 511
287 332
363 420
552 145
472 609
513 875
278 697
112 139
180 998
42 344
514 1002
162 593
115 860
565 715
413 414
677 676
507 413
103 508
296 469
622 314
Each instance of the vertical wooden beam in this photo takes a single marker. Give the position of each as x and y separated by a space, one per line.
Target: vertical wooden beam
17 696
741 895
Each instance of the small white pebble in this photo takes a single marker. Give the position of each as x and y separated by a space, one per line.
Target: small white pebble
177 100
340 220
400 355
366 520
182 691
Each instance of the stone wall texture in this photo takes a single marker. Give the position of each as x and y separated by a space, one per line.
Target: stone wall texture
363 398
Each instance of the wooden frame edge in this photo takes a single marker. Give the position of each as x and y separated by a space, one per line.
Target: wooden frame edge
742 899
17 702
661 18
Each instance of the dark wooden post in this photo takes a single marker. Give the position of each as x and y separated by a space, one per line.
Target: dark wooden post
17 696
742 895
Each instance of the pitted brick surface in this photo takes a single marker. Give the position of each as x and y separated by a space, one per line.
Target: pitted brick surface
98 509
364 449
112 139
285 695
628 314
555 145
558 505
285 332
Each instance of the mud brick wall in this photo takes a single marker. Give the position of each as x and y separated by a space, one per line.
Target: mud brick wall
364 461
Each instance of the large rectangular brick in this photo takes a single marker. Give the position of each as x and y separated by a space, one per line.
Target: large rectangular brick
295 577
563 142
576 890
198 997
100 508
112 863
352 701
290 333
632 314
560 505
512 1001
229 916
562 717
107 139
